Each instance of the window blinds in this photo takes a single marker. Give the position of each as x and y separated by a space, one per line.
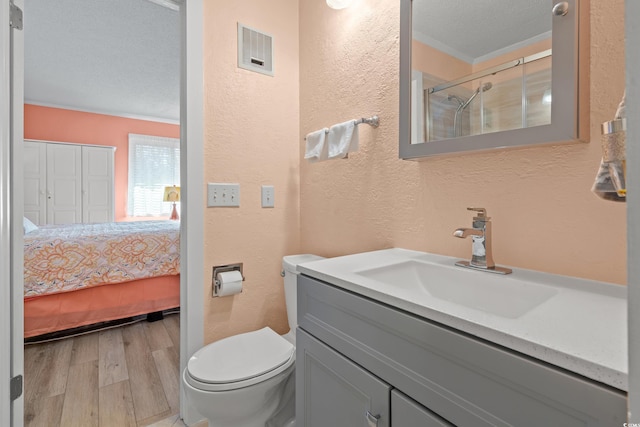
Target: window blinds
154 162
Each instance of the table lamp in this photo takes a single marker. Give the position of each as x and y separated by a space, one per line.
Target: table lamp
172 194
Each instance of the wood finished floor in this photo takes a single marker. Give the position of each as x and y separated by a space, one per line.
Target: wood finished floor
122 377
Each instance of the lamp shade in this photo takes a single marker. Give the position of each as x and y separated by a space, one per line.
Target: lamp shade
171 194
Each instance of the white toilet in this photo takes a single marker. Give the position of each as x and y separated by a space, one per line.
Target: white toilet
247 380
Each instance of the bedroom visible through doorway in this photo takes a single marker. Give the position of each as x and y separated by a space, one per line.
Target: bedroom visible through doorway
111 69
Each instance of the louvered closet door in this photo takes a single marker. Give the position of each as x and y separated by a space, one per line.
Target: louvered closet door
64 184
35 182
97 184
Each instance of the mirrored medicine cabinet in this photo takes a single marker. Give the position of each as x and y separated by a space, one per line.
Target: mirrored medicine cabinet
488 75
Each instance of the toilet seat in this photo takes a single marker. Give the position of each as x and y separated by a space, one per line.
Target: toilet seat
240 361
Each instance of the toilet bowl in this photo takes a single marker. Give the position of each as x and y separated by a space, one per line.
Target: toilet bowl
248 379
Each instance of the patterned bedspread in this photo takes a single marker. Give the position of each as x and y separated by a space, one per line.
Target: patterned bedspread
62 258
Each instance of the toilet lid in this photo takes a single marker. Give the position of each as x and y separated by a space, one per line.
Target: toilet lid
240 357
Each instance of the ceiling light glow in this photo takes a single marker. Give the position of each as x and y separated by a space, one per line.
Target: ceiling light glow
338 4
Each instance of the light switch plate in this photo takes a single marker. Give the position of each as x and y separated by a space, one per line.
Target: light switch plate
223 195
268 196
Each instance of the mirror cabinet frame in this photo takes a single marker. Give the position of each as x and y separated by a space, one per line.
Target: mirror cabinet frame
569 92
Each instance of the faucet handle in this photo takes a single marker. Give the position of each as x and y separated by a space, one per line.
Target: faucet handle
482 213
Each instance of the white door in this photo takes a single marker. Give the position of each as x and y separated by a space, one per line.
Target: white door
64 184
35 181
97 184
11 210
5 218
632 33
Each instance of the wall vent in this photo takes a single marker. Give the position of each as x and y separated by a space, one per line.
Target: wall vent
255 50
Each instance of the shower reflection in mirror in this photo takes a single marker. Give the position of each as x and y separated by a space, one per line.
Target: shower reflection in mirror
512 95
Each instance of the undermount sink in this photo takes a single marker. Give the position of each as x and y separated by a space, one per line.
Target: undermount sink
505 296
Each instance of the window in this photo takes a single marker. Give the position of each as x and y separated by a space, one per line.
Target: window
154 162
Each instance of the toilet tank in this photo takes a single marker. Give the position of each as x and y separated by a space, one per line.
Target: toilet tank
289 264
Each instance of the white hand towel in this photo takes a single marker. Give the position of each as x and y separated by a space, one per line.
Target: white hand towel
316 149
343 139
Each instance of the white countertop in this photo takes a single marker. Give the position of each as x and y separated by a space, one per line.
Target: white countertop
582 328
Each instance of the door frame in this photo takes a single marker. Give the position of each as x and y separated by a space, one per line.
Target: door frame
192 193
11 195
632 65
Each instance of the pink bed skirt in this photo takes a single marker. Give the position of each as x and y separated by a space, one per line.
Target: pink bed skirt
56 312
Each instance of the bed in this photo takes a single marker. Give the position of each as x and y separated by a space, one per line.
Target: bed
82 274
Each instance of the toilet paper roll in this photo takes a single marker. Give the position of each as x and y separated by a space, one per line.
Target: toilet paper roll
230 283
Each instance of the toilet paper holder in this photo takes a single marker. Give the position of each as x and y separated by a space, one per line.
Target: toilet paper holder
221 269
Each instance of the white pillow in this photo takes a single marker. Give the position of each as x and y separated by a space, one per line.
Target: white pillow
28 225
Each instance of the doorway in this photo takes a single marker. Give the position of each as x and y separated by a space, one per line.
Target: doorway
96 72
191 241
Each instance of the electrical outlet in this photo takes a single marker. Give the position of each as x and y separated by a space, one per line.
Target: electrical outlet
223 195
268 196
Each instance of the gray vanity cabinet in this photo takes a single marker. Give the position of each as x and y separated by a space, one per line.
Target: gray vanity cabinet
333 391
336 392
437 375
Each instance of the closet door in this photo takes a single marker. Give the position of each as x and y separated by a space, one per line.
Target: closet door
35 182
64 184
97 184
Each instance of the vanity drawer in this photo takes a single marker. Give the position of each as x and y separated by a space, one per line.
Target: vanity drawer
407 413
467 381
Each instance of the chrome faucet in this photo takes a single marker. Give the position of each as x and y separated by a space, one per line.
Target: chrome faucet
481 255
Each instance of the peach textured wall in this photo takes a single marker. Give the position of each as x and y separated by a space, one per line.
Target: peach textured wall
518 53
56 124
437 63
545 216
251 138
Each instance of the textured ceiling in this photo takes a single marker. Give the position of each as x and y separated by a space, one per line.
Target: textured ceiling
119 57
472 30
